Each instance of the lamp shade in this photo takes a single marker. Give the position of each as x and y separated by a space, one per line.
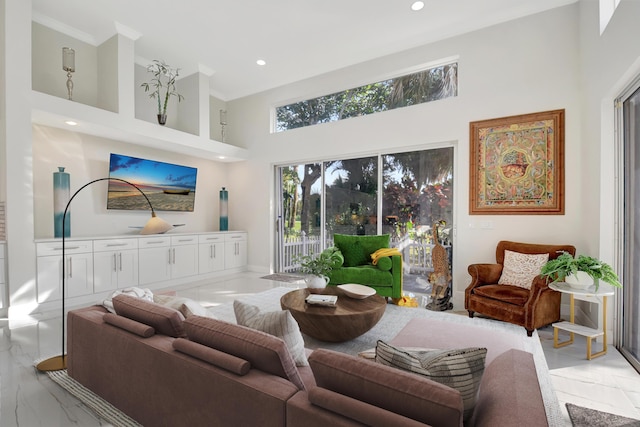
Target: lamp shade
156 225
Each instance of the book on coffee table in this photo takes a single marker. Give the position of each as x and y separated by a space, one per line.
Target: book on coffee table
326 300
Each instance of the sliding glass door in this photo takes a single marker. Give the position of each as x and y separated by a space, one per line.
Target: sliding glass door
630 345
401 194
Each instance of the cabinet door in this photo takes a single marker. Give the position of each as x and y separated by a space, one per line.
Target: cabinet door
211 257
127 265
105 271
184 261
235 254
154 265
79 273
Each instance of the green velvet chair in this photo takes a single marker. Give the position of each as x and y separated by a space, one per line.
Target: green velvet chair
385 277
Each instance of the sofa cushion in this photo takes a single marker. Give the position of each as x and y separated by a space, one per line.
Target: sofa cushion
504 293
186 306
397 391
265 352
460 369
278 323
212 356
357 250
140 329
520 269
364 274
164 320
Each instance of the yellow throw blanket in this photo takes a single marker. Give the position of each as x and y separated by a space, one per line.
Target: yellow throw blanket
383 253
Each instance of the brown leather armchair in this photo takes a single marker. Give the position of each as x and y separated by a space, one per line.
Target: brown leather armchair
531 308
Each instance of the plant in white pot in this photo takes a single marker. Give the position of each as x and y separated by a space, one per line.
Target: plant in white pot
162 86
580 272
318 267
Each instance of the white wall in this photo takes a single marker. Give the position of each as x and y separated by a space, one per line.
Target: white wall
86 158
610 63
524 66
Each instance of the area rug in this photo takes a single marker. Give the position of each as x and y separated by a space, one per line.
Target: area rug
283 277
99 406
585 417
395 318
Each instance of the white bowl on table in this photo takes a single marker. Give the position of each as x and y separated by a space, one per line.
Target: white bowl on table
357 291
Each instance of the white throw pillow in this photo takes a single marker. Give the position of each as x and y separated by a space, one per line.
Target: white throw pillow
520 269
278 323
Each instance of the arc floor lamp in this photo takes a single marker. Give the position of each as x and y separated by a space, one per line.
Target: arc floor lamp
155 225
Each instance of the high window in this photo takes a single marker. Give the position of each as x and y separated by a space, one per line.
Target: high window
424 86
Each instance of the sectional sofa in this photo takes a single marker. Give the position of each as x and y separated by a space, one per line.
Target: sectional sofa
164 370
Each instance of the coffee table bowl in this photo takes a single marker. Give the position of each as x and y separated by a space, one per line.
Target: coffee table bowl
349 319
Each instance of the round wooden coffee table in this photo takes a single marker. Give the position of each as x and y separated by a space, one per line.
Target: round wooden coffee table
349 319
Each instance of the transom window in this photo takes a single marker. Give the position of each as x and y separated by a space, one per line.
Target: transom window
424 86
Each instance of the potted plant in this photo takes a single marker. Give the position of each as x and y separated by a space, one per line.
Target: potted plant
318 267
579 272
162 86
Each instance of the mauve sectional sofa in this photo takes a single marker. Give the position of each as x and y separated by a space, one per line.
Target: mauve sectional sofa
163 370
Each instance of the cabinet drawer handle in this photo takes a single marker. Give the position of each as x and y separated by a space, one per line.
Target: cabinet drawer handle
155 242
115 268
185 240
120 259
67 248
114 245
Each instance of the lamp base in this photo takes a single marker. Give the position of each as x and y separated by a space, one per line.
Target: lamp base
56 363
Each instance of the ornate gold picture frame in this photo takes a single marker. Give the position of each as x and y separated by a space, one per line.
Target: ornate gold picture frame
517 165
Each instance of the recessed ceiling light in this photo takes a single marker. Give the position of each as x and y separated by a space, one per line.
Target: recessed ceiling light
71 123
417 5
221 157
261 62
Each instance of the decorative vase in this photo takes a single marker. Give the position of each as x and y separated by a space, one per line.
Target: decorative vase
316 282
61 195
162 119
579 280
224 210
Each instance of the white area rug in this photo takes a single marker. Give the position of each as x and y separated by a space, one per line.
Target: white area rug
98 405
395 318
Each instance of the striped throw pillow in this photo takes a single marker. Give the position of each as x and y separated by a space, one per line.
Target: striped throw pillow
460 369
278 323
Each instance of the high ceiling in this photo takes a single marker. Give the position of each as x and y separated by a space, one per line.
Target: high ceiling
297 38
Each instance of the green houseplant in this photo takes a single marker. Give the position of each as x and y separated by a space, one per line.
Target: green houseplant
564 267
162 86
318 266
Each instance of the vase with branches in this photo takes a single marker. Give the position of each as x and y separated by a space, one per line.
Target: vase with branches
162 86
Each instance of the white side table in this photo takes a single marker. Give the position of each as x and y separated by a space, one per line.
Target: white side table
591 295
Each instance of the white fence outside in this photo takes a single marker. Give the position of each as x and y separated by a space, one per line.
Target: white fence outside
416 255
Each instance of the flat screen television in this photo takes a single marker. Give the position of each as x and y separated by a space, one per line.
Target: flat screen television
168 186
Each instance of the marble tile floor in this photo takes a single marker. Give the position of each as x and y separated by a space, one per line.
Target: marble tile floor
31 399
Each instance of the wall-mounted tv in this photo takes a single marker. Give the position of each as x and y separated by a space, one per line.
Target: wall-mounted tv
168 186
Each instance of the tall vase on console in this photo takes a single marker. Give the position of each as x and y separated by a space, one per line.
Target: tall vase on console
224 210
60 199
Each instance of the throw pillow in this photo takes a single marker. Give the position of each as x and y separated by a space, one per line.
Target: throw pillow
460 369
520 269
186 306
278 323
357 250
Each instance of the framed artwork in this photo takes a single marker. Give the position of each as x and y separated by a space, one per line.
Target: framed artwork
517 165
